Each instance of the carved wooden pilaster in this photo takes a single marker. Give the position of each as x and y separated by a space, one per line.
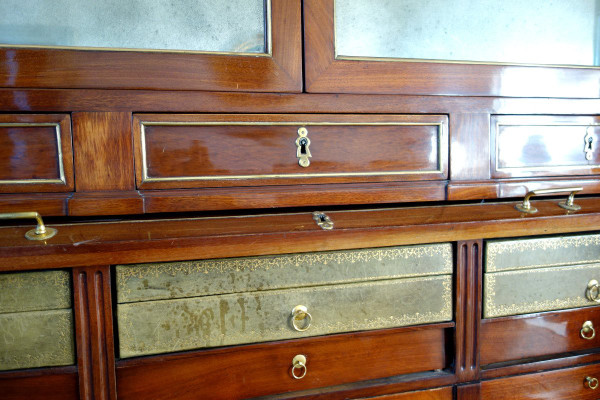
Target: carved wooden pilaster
468 308
94 333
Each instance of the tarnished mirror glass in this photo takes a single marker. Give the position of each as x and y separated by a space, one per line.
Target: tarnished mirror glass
559 32
231 26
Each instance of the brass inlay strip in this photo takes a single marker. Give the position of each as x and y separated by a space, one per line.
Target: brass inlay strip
61 170
440 61
268 44
147 179
539 168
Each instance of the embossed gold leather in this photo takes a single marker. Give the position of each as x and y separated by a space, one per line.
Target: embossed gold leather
145 282
36 339
504 255
34 291
172 325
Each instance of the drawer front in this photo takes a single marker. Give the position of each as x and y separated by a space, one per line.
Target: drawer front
525 146
35 153
332 360
567 384
173 325
518 338
444 393
535 290
161 281
36 339
35 291
188 151
504 255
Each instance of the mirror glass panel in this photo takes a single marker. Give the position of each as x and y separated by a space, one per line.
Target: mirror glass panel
555 32
237 26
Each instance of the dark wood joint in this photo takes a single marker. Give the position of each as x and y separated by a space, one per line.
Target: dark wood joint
468 392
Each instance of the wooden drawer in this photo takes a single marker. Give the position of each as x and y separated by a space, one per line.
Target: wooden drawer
36 320
528 336
212 303
525 146
35 153
189 151
532 275
566 384
444 393
264 369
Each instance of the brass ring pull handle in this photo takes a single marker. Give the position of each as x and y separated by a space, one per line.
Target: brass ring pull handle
593 291
587 330
592 383
526 206
41 232
300 313
299 364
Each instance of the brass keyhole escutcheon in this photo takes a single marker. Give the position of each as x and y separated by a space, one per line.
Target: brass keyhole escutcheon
589 145
302 147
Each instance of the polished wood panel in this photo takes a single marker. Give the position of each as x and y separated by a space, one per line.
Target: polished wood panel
524 146
469 146
468 392
33 150
124 242
158 201
179 151
468 308
40 384
52 68
566 384
433 394
331 360
527 336
103 151
106 203
44 203
325 73
94 333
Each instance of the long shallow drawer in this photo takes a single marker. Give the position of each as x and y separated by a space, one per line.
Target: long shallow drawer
525 146
35 153
263 369
444 393
529 336
542 274
188 151
36 320
566 384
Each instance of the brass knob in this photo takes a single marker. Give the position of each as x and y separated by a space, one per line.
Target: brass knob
593 291
587 330
300 313
299 364
592 383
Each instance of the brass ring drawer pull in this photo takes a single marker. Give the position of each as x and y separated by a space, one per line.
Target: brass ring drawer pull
299 364
587 330
592 383
41 232
300 313
593 291
526 206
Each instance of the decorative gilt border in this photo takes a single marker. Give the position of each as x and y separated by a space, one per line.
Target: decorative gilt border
495 249
491 310
583 164
440 61
268 44
147 179
61 179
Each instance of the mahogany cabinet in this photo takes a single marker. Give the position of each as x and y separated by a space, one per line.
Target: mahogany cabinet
283 218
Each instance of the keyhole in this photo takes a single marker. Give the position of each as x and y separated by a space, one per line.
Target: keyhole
322 218
303 142
590 140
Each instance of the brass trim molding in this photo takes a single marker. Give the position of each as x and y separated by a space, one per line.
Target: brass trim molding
496 249
268 44
61 179
148 179
583 164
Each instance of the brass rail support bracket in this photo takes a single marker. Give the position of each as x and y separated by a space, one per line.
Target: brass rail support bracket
41 232
526 206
